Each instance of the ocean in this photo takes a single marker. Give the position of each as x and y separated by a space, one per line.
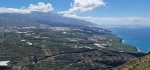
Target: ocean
136 36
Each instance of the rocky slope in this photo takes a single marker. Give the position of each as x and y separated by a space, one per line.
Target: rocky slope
84 59
142 63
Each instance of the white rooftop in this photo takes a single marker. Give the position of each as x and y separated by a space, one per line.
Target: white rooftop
4 63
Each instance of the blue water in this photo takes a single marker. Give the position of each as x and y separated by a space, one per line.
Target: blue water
138 36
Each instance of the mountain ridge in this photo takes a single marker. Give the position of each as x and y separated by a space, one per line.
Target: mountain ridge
49 18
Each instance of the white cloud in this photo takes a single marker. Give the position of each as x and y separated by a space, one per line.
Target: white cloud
13 10
80 6
113 20
120 21
40 7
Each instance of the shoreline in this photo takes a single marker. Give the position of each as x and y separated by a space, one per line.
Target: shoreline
139 50
122 41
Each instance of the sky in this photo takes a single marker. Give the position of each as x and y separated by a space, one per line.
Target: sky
102 12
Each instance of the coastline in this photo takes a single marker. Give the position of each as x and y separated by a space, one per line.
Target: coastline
139 50
137 37
127 40
123 42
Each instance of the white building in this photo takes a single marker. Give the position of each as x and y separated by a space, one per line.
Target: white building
4 63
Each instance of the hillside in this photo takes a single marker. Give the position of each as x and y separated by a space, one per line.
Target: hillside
75 60
50 18
142 63
48 41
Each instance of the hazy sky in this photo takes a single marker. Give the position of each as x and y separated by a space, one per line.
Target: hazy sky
103 12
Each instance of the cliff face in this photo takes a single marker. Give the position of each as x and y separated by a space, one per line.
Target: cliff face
142 63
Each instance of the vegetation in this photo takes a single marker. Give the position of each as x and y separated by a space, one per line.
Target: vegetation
31 44
136 64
